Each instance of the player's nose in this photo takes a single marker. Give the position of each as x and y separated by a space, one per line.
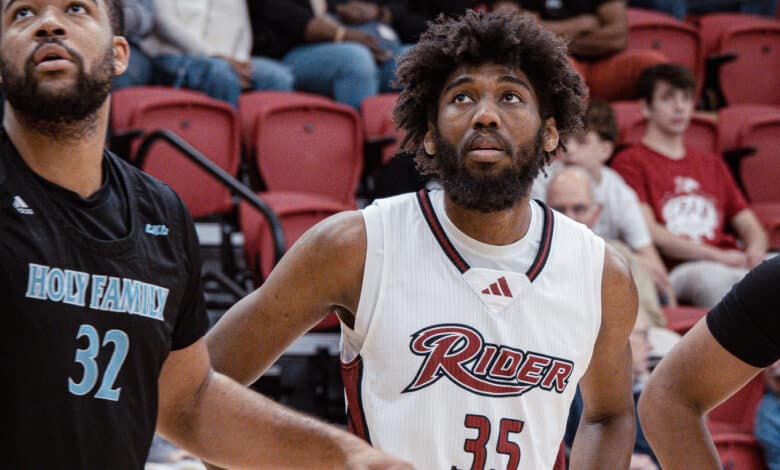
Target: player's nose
485 115
50 25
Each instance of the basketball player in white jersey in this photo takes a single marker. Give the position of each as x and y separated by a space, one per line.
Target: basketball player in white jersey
469 314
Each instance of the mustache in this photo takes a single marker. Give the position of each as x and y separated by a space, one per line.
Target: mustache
489 134
73 54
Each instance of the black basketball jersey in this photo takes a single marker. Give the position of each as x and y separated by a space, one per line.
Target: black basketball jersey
88 321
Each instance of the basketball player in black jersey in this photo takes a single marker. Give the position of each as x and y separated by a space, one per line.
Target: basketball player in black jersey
738 337
102 305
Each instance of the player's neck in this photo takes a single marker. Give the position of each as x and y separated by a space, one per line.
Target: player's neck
670 145
70 158
495 228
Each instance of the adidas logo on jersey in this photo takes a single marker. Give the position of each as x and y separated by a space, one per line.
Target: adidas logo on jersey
499 288
21 206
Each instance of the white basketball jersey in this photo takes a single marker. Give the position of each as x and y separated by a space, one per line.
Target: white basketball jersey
452 366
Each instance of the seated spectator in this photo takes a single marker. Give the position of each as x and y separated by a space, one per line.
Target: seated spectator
571 193
767 429
139 22
409 18
205 46
597 31
348 59
688 198
620 217
682 8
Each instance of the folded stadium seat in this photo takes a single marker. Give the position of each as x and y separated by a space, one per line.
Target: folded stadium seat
701 134
297 212
744 51
304 143
680 319
677 40
738 452
377 112
738 413
209 125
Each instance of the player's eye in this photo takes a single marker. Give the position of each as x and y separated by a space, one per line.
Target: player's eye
512 98
461 98
22 12
77 8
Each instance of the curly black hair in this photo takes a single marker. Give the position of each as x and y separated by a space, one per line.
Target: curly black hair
514 40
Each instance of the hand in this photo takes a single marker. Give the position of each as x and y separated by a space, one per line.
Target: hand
642 462
772 378
357 12
734 258
356 35
506 6
368 458
243 70
754 256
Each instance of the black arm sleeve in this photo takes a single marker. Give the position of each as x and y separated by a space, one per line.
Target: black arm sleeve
192 320
747 321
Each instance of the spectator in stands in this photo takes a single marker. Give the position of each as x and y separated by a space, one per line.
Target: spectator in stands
767 429
409 18
205 46
620 216
597 31
327 55
682 8
689 198
139 22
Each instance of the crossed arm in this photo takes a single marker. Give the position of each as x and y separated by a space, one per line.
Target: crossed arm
605 437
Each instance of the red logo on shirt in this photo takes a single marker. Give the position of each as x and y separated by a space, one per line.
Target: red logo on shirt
459 353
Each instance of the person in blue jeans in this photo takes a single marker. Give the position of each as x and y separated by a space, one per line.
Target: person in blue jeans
767 428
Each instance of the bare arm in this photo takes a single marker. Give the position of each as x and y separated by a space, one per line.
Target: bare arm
324 269
605 437
693 378
751 232
572 27
609 37
223 422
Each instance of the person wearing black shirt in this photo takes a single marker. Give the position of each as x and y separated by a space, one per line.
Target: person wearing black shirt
102 303
739 337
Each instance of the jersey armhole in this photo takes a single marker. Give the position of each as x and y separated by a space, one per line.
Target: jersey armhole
352 339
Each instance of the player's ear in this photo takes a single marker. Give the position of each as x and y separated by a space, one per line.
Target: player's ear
429 142
121 55
551 137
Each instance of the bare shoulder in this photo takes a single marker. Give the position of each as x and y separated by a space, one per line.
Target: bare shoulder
619 302
341 234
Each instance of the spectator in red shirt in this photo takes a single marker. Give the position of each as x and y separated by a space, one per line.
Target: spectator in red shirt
689 198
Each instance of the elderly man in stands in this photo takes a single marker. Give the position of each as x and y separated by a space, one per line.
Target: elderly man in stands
205 45
597 31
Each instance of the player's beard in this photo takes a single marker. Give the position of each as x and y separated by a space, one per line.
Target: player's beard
55 112
489 192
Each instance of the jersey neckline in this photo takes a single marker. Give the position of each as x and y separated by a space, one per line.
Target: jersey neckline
424 200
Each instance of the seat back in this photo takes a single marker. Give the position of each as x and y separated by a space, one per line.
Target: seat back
739 452
378 122
303 142
702 133
739 411
758 127
677 40
209 125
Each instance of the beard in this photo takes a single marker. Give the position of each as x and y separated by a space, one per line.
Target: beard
50 112
489 192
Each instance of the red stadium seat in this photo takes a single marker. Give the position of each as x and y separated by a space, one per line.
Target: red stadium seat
737 414
209 125
681 319
702 133
758 127
676 39
738 452
297 212
378 122
755 41
304 143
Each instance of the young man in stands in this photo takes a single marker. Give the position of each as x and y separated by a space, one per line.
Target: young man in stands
620 215
689 199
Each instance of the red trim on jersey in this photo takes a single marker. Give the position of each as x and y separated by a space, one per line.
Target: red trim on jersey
544 246
438 232
352 376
